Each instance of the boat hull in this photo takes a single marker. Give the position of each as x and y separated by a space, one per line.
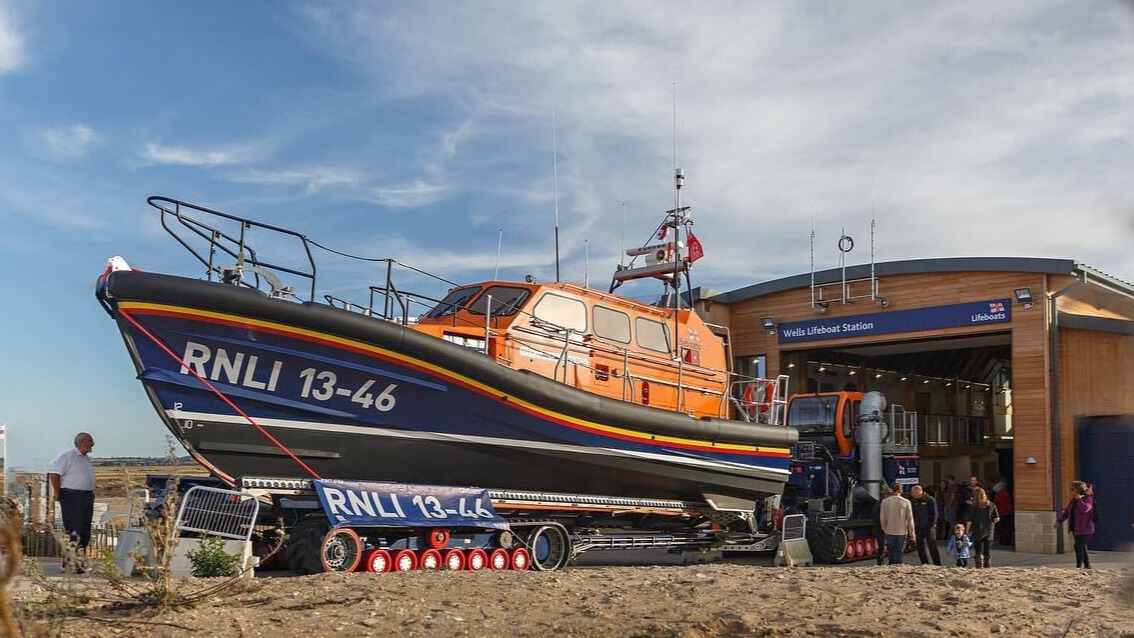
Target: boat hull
355 397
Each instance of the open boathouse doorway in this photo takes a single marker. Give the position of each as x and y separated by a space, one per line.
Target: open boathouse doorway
999 356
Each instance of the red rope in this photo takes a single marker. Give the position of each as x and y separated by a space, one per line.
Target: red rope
218 393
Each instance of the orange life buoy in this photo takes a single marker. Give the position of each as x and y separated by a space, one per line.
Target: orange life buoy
758 395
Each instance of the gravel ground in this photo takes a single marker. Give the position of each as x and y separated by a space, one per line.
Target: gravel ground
699 601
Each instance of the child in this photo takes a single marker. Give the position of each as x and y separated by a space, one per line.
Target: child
959 544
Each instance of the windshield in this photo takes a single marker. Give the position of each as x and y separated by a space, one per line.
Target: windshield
506 301
452 302
813 414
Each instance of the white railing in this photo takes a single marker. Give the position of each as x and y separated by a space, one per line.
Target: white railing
941 429
217 512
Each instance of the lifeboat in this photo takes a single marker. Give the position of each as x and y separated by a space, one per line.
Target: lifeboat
535 386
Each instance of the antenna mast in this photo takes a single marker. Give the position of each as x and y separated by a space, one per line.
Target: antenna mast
622 246
555 178
586 263
499 241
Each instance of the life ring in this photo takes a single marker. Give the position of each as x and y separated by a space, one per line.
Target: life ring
758 396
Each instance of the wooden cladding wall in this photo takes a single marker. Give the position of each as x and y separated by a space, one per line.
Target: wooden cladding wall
1096 377
1030 348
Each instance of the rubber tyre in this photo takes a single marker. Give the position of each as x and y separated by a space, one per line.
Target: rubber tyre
549 547
405 560
377 560
437 538
453 560
429 559
828 542
476 560
521 559
341 550
499 559
304 547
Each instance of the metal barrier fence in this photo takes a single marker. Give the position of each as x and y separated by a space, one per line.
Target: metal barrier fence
40 541
217 512
954 430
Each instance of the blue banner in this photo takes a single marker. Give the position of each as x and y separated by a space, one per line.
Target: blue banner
371 504
959 315
901 469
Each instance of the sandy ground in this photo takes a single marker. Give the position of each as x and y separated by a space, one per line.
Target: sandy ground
695 601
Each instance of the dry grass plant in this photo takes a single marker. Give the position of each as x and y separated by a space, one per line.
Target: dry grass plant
129 602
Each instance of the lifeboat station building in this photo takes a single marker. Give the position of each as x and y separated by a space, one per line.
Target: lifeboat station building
1019 370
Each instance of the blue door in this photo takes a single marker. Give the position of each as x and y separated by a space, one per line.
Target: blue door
1106 458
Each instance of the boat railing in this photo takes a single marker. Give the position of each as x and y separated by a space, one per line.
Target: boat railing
760 400
177 219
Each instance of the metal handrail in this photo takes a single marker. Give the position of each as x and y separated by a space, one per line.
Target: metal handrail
219 240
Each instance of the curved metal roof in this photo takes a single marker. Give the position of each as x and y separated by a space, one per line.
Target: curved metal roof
916 266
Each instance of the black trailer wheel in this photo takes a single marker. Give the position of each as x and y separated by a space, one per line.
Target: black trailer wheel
304 547
828 542
550 547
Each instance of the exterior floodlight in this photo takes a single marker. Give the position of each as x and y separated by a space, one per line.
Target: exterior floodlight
768 324
1031 460
1024 296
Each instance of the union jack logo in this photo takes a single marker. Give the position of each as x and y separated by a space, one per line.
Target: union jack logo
996 307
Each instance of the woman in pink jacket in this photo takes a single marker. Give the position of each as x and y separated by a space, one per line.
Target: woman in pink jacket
1079 514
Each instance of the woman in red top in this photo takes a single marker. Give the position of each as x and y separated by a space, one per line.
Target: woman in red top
1002 498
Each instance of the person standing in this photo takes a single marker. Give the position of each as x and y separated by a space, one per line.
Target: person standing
965 495
1080 516
1002 498
72 480
876 515
952 500
924 509
959 545
981 526
897 523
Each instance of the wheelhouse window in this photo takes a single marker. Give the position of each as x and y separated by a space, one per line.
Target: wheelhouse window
563 312
452 302
611 324
814 415
506 300
652 335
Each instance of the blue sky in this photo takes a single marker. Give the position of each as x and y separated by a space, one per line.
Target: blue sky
418 130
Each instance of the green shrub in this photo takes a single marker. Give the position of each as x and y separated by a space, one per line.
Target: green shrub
210 559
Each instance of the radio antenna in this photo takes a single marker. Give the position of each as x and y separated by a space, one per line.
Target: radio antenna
555 179
499 241
622 247
586 263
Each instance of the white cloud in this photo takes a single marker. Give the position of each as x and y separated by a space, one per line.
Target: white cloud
70 141
183 156
313 178
11 42
967 120
410 195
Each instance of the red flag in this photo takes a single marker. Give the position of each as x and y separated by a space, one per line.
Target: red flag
696 251
663 232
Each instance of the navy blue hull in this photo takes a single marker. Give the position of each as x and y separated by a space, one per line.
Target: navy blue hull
386 409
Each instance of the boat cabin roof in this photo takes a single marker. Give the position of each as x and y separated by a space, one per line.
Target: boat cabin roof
558 305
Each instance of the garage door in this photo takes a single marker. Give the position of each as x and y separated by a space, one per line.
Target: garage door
1106 456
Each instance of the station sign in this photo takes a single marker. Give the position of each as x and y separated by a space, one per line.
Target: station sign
960 315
